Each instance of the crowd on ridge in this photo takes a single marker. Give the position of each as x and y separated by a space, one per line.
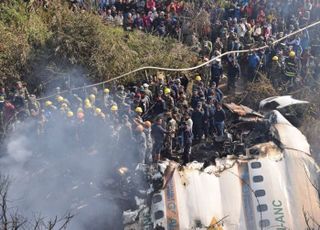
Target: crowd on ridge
233 25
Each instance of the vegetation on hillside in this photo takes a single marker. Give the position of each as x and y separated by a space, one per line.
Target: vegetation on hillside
38 45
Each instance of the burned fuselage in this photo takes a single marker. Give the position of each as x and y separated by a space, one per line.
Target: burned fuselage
263 176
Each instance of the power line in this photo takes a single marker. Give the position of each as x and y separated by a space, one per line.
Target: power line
185 69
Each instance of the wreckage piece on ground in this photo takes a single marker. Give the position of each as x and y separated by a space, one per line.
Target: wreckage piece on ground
274 189
292 109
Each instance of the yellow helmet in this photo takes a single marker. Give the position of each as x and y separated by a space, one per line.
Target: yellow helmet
48 103
114 108
106 91
97 111
167 91
69 114
275 58
198 78
88 105
86 101
80 110
64 105
138 110
292 54
92 97
60 99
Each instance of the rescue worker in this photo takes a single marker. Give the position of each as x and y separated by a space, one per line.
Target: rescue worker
274 71
137 118
170 127
197 84
291 68
169 101
141 141
34 105
114 112
107 98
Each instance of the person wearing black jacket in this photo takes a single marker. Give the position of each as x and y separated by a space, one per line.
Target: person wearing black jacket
187 143
219 118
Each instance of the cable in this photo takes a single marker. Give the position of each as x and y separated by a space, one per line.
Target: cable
184 69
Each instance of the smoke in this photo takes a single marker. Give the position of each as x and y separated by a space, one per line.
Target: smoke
68 168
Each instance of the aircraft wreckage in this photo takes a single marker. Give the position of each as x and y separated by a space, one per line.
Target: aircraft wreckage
262 176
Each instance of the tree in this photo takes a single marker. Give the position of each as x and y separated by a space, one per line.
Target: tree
10 219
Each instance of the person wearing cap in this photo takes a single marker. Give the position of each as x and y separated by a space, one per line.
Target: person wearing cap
147 91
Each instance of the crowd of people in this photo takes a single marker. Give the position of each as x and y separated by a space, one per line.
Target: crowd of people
234 25
228 26
153 119
158 116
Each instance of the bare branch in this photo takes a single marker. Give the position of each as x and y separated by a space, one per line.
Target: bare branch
65 221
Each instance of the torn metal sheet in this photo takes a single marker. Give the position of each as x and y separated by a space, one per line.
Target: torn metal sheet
242 110
279 102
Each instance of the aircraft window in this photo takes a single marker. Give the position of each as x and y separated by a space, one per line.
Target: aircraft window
259 193
255 165
262 207
257 179
156 198
158 215
264 223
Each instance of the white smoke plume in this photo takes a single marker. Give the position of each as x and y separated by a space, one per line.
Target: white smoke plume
53 174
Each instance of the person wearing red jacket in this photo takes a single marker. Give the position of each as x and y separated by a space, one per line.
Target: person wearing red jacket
8 112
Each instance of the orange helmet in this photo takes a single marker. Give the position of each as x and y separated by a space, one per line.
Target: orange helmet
80 115
147 124
140 128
